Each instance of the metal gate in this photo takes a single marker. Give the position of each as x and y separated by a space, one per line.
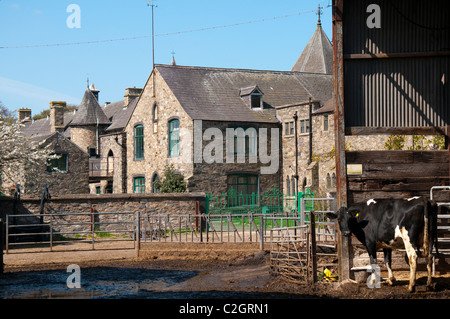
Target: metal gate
306 247
270 202
69 232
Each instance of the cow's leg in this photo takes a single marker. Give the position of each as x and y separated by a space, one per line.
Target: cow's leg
412 257
388 263
372 250
429 269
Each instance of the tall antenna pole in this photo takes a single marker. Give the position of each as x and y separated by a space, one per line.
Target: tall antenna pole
151 4
153 34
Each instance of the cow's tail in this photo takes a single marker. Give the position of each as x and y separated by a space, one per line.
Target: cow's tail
426 228
430 228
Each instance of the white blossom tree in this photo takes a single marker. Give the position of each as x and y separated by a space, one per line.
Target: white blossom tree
21 158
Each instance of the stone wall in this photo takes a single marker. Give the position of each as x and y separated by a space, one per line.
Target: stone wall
74 181
83 136
112 168
305 170
323 155
114 203
211 177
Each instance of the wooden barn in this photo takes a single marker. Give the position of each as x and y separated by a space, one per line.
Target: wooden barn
391 76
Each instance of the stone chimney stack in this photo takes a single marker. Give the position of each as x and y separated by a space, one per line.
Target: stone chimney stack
24 115
130 94
57 109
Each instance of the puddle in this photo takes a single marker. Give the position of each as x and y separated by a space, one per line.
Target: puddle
96 282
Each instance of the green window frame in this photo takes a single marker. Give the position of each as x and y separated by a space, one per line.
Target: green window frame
174 138
139 185
139 142
245 184
58 164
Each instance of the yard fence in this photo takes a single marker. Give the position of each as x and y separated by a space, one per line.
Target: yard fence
285 223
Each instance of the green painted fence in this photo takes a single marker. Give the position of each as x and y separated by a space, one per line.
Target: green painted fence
272 202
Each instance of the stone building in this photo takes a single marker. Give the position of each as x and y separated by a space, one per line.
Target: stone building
220 128
190 116
69 172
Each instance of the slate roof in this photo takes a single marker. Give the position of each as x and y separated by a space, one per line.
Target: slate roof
214 93
328 107
118 115
41 128
317 57
89 112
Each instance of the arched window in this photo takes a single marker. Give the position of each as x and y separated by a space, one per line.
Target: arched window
305 182
110 163
155 118
328 181
293 189
288 186
155 178
174 138
139 142
334 180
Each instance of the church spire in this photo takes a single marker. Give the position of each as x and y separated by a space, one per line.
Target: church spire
317 57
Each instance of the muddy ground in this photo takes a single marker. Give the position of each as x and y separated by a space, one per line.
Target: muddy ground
175 271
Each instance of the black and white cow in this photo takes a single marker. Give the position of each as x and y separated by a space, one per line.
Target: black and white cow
393 224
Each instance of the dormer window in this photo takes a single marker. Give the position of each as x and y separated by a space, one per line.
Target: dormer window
256 99
253 97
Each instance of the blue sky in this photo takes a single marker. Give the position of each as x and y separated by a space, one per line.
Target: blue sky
33 76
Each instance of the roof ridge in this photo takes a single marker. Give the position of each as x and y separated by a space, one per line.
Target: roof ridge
224 69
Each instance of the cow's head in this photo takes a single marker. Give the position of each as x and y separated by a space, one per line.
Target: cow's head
345 217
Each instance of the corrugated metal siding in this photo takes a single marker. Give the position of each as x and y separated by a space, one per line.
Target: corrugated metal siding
397 92
406 26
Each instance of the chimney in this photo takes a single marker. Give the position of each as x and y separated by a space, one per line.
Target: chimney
57 109
130 94
24 115
94 90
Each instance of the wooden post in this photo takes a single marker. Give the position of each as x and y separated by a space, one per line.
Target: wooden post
1 247
197 214
339 131
93 227
137 246
261 232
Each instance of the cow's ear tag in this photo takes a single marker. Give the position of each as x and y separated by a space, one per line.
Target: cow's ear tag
357 214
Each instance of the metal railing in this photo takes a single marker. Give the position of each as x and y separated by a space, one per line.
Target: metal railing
57 230
60 230
101 167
